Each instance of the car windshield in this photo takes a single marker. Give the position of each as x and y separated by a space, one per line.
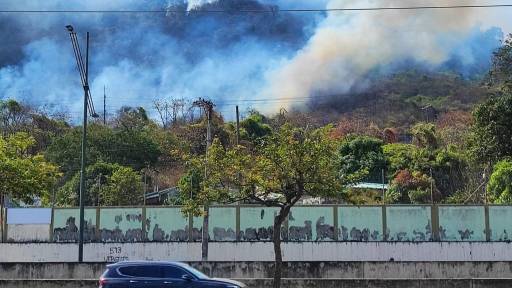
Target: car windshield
197 273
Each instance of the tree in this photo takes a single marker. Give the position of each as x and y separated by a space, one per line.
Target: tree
500 183
400 156
24 177
424 135
134 148
412 187
19 117
362 158
448 166
107 184
500 76
253 127
287 165
450 171
491 136
131 118
453 128
14 117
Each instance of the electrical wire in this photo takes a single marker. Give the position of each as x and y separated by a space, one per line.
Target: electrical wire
272 11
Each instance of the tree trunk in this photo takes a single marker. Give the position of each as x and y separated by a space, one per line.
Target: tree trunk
204 236
276 238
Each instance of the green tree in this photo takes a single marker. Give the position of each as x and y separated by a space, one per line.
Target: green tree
132 118
400 156
134 148
500 183
500 76
287 165
23 176
424 135
491 134
253 127
450 171
411 187
14 117
362 158
449 167
107 184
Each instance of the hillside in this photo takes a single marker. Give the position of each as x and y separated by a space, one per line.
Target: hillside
403 99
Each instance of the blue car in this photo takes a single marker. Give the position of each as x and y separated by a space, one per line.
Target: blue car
149 274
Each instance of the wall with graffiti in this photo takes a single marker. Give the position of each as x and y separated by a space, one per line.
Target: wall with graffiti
400 223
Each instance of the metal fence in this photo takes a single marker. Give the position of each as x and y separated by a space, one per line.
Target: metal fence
253 223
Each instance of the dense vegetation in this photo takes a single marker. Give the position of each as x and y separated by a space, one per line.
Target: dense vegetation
431 136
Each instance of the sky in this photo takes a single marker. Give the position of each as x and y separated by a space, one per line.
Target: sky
259 60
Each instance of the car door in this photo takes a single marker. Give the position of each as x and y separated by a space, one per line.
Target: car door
142 276
172 277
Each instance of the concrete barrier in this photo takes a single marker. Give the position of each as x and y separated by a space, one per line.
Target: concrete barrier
296 283
321 270
262 252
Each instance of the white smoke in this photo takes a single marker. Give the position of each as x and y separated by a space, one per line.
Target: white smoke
194 4
347 46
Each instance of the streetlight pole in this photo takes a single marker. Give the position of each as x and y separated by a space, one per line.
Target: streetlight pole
82 164
88 106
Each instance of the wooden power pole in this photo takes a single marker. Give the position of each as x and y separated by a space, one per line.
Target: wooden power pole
207 106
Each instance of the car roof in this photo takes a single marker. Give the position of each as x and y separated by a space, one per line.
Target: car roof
145 262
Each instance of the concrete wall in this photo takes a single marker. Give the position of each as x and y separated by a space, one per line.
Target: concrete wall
28 232
295 283
33 226
260 251
320 270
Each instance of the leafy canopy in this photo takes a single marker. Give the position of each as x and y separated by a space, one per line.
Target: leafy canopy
362 158
491 133
127 147
287 165
24 176
107 184
500 183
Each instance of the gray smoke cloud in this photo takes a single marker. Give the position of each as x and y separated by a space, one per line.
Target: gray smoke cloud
346 48
227 57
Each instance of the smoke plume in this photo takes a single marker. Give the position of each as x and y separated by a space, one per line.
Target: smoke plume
347 47
231 58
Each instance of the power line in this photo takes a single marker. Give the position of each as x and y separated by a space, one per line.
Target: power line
272 10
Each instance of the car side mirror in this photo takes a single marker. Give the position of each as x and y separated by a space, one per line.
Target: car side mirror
187 277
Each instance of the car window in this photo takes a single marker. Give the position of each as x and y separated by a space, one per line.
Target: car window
147 271
197 273
173 272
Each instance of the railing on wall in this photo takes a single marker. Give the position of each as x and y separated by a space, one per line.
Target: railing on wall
397 223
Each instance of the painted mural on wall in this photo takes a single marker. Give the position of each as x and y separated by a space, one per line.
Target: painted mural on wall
462 223
409 223
121 225
305 224
360 223
66 224
499 221
222 224
166 224
256 223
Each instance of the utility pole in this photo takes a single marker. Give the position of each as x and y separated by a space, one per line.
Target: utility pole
88 106
99 189
237 126
104 106
431 187
383 187
207 106
145 185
